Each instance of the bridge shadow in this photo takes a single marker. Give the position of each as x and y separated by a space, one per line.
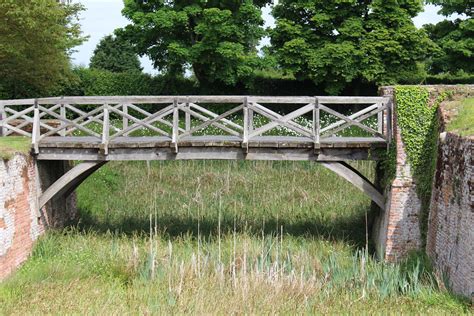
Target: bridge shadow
351 230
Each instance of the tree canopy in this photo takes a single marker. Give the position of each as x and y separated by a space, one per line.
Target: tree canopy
115 54
455 38
36 39
335 43
215 39
449 7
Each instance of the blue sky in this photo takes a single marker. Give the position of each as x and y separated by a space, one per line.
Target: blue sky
102 17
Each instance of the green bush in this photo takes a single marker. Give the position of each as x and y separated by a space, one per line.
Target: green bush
96 82
447 78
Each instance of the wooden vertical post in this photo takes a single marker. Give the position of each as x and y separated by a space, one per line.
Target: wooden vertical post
3 117
175 135
125 119
380 119
62 113
390 121
106 130
36 128
316 124
251 122
188 115
245 136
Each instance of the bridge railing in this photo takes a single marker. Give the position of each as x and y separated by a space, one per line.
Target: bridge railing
179 117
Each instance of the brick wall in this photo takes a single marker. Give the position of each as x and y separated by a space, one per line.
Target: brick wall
450 241
21 223
397 228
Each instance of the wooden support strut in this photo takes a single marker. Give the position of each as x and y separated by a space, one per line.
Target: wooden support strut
70 181
358 180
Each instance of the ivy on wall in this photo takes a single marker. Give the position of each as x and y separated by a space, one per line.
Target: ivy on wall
419 126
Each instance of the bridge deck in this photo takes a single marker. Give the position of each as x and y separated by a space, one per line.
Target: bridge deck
210 147
214 141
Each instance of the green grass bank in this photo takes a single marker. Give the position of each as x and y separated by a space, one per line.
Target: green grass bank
220 237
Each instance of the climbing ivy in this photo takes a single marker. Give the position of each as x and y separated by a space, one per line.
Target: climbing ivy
419 126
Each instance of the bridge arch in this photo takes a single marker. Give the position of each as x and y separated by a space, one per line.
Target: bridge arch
78 174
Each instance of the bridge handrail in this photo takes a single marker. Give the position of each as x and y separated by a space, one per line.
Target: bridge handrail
37 109
90 100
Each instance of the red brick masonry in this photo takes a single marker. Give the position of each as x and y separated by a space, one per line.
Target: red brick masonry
450 241
20 225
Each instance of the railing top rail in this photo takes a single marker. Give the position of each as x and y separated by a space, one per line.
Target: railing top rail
198 99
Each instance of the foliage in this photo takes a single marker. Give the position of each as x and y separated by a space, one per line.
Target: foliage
226 238
340 43
116 55
90 82
460 77
215 39
463 122
456 40
387 167
36 39
419 125
453 6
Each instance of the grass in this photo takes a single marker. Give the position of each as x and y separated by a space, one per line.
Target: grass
220 237
12 145
463 121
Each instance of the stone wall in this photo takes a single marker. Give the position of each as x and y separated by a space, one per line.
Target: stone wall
21 223
450 240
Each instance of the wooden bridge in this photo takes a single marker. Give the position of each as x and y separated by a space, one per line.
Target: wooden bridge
96 130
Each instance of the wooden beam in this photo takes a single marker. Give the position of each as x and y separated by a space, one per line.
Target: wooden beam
69 181
358 180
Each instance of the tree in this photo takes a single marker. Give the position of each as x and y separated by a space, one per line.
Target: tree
336 43
115 54
455 38
454 6
216 39
37 37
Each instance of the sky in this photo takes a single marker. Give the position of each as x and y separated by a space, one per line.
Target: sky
102 17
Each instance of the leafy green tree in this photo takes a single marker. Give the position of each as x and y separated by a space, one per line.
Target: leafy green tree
36 39
449 7
455 38
337 43
116 55
216 39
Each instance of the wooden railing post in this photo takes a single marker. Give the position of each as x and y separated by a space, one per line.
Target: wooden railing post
3 117
188 116
380 118
175 135
316 124
389 121
62 113
36 128
245 136
124 118
106 130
